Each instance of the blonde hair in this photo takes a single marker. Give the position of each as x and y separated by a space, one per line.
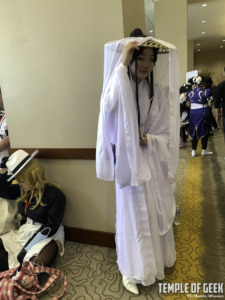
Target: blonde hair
33 175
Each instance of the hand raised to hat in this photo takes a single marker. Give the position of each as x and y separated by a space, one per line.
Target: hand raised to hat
128 51
3 162
3 166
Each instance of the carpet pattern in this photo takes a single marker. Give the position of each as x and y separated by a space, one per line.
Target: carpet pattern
200 240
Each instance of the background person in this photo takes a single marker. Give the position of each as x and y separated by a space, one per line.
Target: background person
8 208
4 137
184 114
199 98
220 103
207 84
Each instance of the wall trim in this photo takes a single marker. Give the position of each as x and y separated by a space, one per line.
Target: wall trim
92 237
60 153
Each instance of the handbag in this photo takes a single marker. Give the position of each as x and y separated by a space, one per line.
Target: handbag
206 119
10 289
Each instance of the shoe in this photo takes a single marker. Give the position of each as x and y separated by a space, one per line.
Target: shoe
193 153
204 152
130 286
182 145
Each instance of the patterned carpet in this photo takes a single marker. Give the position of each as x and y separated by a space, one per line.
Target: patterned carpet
200 241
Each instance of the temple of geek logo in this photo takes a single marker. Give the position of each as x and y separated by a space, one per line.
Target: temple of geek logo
186 288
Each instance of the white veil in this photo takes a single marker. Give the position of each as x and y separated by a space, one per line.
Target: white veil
166 75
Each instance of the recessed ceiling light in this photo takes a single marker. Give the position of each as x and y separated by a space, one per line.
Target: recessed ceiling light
203 21
151 31
223 40
204 5
198 50
198 44
221 46
203 32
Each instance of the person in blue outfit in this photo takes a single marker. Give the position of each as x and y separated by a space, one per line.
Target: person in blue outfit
200 99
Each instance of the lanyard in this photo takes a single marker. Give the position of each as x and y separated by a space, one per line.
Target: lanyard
28 203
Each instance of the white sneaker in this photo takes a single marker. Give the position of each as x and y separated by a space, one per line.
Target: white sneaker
130 286
204 152
193 153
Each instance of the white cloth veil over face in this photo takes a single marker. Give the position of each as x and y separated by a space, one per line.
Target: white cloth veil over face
166 77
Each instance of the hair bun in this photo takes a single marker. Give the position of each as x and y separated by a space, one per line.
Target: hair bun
137 32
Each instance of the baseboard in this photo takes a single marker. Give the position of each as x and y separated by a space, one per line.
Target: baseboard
92 237
60 153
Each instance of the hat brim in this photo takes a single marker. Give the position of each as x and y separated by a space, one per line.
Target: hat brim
27 161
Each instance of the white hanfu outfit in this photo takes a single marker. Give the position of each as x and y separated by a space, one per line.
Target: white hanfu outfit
144 175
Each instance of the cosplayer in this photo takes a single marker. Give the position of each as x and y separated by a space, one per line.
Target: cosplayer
4 137
42 203
199 98
8 208
138 139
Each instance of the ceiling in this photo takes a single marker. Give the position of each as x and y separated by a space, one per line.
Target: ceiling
214 27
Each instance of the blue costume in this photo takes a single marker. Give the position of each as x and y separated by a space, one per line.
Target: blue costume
199 98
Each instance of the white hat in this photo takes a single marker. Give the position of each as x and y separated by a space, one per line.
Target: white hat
18 160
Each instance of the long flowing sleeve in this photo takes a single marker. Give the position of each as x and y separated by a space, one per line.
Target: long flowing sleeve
118 125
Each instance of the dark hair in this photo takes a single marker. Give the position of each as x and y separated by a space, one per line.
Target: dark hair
187 87
207 81
137 32
190 80
182 89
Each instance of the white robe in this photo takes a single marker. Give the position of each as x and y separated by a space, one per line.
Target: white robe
144 195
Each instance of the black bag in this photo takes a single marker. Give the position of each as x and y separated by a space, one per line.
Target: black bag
207 120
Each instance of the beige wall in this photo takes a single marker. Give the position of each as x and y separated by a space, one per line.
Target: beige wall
190 56
90 202
211 61
50 51
51 58
171 26
133 15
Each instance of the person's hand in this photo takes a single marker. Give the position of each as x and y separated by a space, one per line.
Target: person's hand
3 162
128 51
3 168
218 115
143 139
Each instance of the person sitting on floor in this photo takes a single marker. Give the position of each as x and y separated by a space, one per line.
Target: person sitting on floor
42 203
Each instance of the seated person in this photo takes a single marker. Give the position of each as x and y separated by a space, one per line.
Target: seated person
39 200
8 208
4 138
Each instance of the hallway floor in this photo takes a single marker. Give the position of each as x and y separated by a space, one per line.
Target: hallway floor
200 241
